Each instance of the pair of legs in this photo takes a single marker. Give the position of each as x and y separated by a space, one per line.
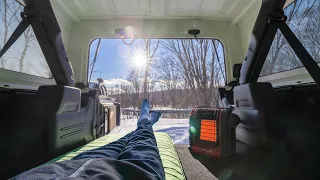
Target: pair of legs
138 147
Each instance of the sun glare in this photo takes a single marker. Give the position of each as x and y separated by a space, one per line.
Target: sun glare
139 60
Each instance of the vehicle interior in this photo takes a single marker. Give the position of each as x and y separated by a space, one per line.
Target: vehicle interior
51 114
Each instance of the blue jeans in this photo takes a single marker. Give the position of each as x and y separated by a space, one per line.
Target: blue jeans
138 147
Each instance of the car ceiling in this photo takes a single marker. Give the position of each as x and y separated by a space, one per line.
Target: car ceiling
163 9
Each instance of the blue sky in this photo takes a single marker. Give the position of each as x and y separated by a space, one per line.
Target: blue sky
113 58
109 63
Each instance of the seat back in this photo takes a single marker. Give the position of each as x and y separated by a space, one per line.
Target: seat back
22 136
255 105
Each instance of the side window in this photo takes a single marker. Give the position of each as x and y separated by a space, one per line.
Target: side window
304 21
25 55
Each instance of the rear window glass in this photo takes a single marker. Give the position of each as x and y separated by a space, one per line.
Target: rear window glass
171 73
304 21
25 55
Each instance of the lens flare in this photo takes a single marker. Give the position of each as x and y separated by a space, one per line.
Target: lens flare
193 130
139 60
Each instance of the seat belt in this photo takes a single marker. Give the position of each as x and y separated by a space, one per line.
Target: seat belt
306 59
264 49
23 25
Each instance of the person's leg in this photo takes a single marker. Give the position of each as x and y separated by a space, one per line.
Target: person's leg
142 149
114 149
138 147
111 150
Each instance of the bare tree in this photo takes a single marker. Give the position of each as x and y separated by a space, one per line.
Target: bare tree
169 80
125 94
4 14
28 37
196 64
135 82
150 52
312 31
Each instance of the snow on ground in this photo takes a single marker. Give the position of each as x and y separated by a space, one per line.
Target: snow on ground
178 129
161 108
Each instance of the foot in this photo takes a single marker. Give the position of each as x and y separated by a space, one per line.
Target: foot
145 109
154 117
145 113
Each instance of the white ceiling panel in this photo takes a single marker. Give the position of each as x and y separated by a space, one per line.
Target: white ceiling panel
228 6
211 7
107 5
164 9
158 8
188 6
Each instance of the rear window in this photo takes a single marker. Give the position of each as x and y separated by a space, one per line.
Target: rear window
304 21
171 73
25 55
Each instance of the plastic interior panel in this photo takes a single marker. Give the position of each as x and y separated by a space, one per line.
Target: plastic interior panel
68 124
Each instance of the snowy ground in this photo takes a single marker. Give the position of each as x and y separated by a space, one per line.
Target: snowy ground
178 129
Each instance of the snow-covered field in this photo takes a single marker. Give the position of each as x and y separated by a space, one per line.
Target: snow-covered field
161 108
178 129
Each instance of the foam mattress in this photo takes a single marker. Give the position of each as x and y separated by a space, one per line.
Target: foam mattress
170 159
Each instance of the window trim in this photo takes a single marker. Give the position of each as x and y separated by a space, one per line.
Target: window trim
16 80
290 77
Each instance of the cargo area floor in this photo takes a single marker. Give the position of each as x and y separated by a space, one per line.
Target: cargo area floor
248 163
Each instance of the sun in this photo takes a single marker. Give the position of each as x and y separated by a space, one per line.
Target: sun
139 60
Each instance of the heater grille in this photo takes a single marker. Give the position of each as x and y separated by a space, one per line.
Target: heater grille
208 130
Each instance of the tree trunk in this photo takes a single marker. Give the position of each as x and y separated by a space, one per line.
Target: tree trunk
145 85
6 29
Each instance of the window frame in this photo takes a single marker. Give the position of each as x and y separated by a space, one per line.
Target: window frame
223 48
262 38
40 16
20 80
289 77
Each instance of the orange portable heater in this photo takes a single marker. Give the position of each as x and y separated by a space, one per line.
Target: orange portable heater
212 132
